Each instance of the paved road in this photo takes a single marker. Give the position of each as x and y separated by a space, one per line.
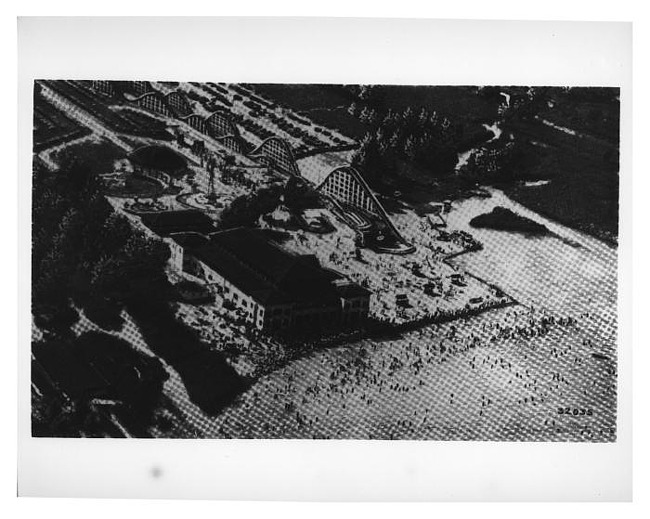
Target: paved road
84 118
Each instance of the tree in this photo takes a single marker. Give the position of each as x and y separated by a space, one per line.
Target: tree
372 95
229 160
408 116
441 159
389 120
380 138
367 159
410 148
83 251
489 92
495 162
368 115
51 275
395 141
366 92
246 209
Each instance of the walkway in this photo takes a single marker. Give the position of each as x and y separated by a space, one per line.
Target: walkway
84 118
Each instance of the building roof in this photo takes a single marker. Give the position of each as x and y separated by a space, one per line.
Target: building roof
161 158
268 273
190 240
183 221
347 289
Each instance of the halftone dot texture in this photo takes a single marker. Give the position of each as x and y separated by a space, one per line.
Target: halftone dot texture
540 370
502 375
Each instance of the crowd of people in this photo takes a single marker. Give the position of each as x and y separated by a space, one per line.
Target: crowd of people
388 276
471 379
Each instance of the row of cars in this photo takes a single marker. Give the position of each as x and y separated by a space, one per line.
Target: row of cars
263 118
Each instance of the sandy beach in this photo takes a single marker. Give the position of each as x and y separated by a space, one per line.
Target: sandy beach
543 370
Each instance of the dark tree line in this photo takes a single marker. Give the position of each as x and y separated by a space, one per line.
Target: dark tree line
82 251
246 209
86 255
422 138
493 162
396 140
109 370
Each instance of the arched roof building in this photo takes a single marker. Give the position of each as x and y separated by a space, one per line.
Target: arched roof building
152 160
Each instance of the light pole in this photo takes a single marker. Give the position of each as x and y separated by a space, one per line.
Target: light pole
212 196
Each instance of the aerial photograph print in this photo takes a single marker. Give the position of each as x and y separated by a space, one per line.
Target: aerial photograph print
324 261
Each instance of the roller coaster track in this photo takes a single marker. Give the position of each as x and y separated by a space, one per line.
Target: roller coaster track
218 125
279 151
370 204
273 151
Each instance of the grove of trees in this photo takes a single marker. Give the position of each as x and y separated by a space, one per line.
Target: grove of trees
424 139
402 139
83 252
246 209
87 257
132 380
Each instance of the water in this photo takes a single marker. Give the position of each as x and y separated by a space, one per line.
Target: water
494 129
463 157
567 273
568 131
564 274
508 389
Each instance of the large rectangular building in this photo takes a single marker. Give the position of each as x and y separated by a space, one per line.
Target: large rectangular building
274 290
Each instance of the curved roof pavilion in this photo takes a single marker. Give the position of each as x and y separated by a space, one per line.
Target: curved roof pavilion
160 158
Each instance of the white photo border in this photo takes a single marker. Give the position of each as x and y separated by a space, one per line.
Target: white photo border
330 50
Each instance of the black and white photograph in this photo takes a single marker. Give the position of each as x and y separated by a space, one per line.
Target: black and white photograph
390 256
321 261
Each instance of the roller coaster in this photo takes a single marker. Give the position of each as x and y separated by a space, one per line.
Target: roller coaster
355 201
273 152
279 154
349 193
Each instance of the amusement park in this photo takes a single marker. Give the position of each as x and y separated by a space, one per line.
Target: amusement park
258 254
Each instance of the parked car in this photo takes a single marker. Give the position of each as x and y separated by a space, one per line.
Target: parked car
431 289
402 300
